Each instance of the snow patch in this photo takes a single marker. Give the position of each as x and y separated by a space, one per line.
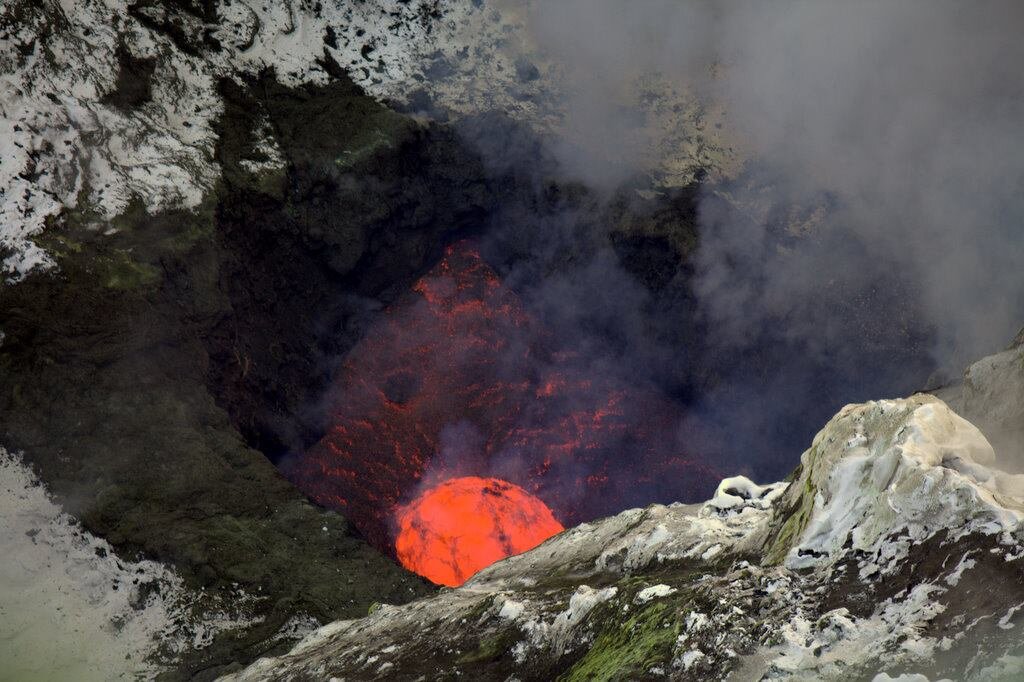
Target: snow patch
71 609
654 592
691 657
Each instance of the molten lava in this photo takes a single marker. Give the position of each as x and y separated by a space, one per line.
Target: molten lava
456 379
465 524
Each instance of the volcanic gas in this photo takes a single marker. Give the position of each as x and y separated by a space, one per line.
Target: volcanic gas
464 524
457 380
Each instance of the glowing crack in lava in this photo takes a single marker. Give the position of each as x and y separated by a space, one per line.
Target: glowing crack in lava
465 524
457 379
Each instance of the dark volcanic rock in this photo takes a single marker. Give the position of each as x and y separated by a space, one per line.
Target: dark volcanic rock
367 201
134 376
134 81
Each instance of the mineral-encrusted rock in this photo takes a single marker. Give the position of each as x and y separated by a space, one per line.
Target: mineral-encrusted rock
895 547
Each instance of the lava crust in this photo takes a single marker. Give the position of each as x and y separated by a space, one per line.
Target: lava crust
458 379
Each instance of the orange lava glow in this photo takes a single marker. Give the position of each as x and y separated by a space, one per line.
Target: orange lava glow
465 524
457 379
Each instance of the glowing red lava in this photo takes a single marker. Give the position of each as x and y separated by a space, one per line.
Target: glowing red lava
456 379
465 524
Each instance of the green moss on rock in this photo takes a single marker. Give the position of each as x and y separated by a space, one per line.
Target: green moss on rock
796 513
624 650
492 648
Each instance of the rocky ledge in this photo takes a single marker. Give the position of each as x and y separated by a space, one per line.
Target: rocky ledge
895 548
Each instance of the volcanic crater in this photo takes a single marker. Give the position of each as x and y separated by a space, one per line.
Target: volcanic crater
457 379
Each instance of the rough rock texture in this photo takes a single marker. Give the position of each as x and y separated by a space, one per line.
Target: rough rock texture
112 101
870 559
104 374
369 199
199 211
215 236
70 609
201 208
121 106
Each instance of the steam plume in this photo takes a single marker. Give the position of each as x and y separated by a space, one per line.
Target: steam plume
902 121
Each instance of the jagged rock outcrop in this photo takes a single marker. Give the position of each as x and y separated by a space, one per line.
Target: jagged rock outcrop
896 546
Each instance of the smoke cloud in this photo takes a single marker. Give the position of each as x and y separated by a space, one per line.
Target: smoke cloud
894 129
872 235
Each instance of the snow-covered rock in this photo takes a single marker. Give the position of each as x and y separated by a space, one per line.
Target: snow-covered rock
867 562
109 102
70 609
70 143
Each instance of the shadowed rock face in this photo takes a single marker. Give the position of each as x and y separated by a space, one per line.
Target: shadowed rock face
137 376
106 366
993 397
368 200
134 81
150 375
138 373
